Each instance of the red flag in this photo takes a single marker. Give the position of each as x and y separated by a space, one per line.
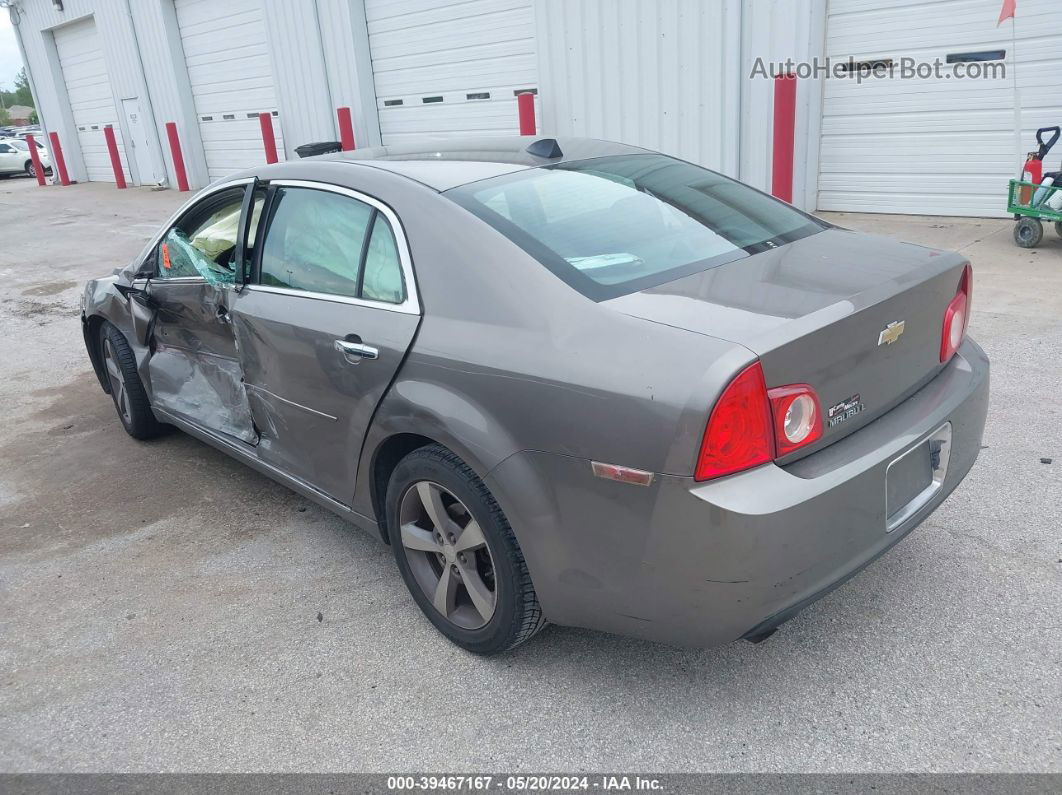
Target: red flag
1009 7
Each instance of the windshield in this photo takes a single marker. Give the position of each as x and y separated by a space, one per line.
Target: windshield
614 225
20 145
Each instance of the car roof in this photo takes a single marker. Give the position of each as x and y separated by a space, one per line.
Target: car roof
446 163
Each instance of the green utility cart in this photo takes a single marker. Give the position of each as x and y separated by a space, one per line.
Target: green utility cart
1029 204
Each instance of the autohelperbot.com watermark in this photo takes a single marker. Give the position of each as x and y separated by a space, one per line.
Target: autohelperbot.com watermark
905 68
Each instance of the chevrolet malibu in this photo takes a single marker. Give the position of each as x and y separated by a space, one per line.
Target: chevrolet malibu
566 380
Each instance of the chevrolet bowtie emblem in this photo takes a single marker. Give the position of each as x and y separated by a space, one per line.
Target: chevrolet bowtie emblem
891 333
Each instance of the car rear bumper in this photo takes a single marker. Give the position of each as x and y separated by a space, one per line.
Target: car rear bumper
701 564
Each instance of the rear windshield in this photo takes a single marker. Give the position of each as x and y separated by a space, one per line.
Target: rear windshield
615 225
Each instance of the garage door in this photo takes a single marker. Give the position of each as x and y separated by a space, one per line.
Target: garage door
91 99
231 78
444 69
943 145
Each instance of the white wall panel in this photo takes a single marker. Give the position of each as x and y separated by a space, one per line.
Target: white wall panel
941 145
348 65
662 75
776 31
674 75
300 83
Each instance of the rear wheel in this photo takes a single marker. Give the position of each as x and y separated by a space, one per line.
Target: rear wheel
458 555
1058 228
1029 232
127 390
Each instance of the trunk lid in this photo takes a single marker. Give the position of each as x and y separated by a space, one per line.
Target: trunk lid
814 312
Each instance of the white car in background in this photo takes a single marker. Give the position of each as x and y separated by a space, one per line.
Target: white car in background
15 157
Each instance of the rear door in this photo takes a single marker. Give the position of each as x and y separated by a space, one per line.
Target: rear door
322 327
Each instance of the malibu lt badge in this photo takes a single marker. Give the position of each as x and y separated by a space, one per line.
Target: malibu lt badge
843 411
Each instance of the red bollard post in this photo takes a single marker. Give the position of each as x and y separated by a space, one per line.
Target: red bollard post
112 150
785 87
346 129
270 142
58 159
38 169
178 158
525 104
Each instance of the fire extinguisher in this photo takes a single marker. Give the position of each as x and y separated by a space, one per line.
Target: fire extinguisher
1033 170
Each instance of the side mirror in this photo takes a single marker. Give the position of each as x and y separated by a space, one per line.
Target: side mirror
148 267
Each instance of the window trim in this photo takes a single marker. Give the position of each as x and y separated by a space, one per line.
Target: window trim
411 304
182 211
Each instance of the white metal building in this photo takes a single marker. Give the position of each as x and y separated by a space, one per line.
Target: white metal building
675 75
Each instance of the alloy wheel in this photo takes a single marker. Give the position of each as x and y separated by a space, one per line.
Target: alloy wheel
448 554
117 381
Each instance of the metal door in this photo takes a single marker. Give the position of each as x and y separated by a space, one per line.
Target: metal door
316 365
138 142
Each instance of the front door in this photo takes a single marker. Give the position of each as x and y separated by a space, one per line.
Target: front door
194 371
323 327
138 141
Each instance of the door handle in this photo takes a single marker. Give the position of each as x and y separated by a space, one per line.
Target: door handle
357 350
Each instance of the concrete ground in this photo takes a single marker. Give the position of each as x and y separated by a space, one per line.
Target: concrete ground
165 608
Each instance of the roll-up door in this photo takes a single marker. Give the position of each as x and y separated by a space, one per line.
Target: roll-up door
231 76
444 69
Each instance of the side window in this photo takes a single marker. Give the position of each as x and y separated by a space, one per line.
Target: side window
5 149
323 242
203 242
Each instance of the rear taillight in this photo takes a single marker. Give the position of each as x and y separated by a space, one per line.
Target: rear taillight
738 435
797 417
750 426
957 317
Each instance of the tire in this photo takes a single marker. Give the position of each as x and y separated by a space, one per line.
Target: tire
127 390
1028 232
515 614
1058 228
30 170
